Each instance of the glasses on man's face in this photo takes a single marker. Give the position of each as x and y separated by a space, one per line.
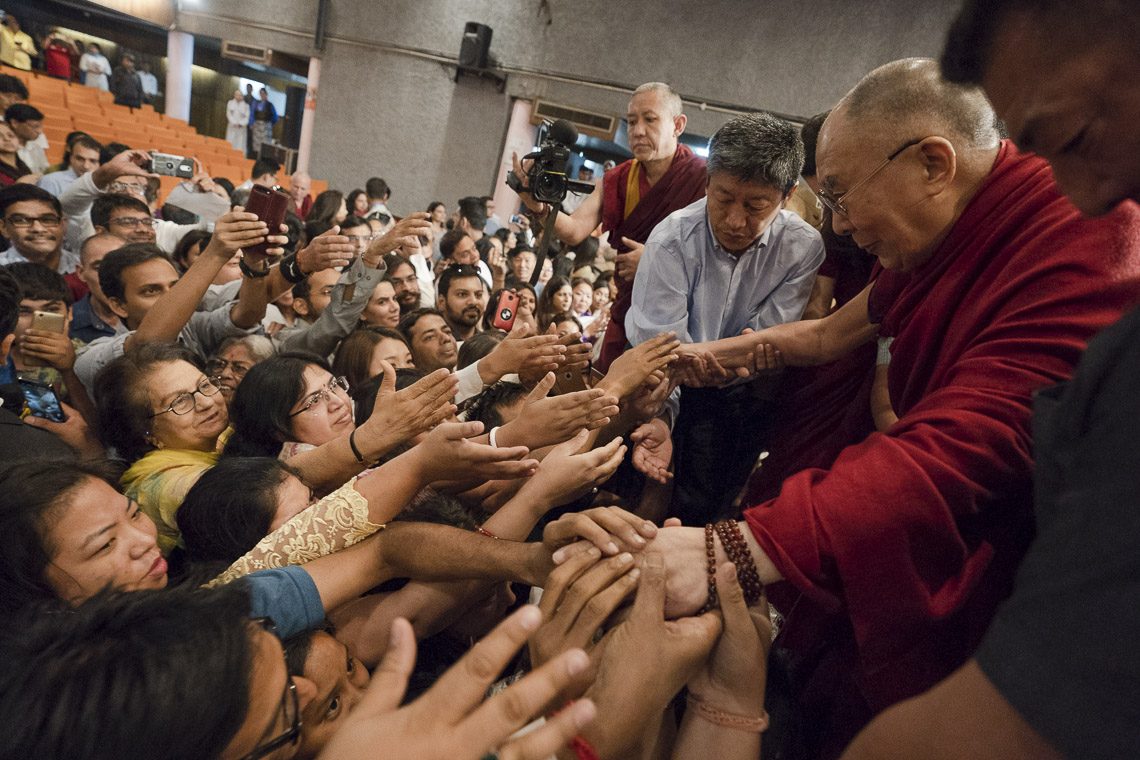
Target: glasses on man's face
126 188
183 403
322 395
838 204
290 706
134 222
23 222
361 241
215 367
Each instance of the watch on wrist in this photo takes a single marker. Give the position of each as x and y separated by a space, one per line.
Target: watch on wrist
248 271
290 270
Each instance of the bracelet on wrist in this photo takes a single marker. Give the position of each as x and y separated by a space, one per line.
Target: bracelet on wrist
492 436
710 554
737 550
352 445
248 271
755 724
290 270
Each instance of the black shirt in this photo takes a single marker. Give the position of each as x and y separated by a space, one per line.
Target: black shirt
1064 650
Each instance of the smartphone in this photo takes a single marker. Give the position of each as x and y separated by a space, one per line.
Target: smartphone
270 207
169 165
569 381
48 321
506 309
40 401
516 219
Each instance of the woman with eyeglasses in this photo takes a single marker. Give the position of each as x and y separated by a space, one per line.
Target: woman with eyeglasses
234 358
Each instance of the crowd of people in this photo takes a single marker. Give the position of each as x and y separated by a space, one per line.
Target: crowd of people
822 440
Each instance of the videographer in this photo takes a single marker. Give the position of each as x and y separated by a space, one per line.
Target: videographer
630 199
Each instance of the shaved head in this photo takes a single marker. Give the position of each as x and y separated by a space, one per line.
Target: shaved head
669 97
909 98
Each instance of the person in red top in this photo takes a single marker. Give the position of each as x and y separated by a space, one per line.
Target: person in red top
58 53
890 559
630 199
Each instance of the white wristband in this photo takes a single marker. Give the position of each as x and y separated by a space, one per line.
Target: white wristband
491 436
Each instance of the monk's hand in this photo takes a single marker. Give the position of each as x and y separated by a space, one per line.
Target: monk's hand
625 265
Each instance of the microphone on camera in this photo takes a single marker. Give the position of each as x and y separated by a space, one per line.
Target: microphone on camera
563 132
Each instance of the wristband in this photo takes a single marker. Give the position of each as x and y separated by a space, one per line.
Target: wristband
491 437
352 445
290 270
752 724
254 274
710 553
483 531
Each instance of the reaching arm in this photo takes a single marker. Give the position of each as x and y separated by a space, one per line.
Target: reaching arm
569 228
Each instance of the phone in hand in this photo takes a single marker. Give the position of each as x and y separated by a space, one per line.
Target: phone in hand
506 309
169 165
48 321
270 207
40 401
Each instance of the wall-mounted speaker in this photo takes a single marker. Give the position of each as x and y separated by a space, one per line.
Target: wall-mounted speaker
475 46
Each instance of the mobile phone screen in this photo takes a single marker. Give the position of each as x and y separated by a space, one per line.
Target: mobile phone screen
42 401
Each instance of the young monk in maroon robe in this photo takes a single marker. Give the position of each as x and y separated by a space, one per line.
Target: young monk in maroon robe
890 559
629 201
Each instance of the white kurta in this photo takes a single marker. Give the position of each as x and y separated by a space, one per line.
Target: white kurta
237 115
95 69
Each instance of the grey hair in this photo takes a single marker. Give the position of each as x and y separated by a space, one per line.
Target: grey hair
910 94
668 95
758 148
259 346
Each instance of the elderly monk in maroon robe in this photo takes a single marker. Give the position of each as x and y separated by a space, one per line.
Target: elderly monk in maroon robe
890 558
630 199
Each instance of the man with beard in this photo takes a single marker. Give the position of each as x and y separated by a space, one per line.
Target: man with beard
402 275
461 300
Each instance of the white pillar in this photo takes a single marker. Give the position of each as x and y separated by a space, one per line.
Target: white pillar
521 135
305 147
179 63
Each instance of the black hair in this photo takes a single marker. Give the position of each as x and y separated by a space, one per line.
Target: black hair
220 523
263 166
352 220
474 210
105 204
149 673
544 312
122 399
377 188
433 206
478 346
31 492
23 192
452 273
486 407
189 240
502 234
10 296
40 283
226 184
966 56
450 239
79 140
259 410
809 133
11 85
112 149
22 112
350 199
325 208
117 261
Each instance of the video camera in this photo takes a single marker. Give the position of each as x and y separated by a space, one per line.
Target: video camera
546 180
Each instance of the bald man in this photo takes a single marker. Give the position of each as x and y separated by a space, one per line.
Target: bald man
629 200
299 185
892 555
1058 672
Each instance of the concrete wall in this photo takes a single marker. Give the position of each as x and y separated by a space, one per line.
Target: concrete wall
398 114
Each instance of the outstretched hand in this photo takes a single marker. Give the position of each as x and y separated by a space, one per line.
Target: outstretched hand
451 721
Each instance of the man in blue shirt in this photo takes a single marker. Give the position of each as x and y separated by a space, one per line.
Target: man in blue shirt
81 157
730 262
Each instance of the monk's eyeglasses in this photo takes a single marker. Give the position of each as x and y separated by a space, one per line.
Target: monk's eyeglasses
838 204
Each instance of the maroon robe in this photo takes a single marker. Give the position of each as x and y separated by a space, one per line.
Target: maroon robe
897 555
680 186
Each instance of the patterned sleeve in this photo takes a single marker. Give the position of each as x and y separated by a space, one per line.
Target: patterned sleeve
335 522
